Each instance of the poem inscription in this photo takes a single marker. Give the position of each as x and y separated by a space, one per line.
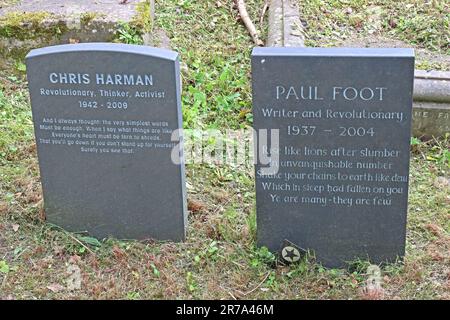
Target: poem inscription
104 117
341 181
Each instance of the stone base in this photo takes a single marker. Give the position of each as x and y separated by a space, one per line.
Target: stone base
37 23
430 119
431 109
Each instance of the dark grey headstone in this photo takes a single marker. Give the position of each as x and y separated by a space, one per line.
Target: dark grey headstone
345 151
104 116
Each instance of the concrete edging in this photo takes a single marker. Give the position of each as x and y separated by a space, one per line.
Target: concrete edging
285 26
431 108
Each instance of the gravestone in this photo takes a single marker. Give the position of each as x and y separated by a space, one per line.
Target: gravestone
28 24
106 119
334 181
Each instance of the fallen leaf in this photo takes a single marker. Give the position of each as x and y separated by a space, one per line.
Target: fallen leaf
118 253
442 183
434 229
196 206
3 208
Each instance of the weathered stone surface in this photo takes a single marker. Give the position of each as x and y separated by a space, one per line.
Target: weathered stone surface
431 119
275 36
36 23
432 86
337 182
293 29
431 113
105 116
114 10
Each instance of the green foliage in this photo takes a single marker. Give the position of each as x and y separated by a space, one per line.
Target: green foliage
251 223
191 284
16 115
4 267
421 23
272 281
20 66
207 254
129 34
359 266
262 256
434 150
90 241
143 19
415 141
439 155
216 70
133 295
219 260
431 65
155 270
215 88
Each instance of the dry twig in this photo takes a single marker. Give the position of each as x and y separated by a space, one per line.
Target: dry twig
263 14
248 22
259 285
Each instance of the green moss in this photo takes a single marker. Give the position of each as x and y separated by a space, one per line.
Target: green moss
128 34
29 25
432 65
143 21
88 17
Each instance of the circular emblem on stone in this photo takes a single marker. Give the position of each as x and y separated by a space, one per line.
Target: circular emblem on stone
290 254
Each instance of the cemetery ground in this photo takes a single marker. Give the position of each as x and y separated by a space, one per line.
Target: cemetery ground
219 258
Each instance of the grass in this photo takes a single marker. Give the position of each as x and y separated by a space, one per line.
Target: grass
5 3
421 23
217 68
219 260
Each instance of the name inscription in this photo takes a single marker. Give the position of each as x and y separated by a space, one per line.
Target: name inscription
101 79
314 93
107 135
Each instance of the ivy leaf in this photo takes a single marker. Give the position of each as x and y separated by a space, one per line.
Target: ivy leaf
4 267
